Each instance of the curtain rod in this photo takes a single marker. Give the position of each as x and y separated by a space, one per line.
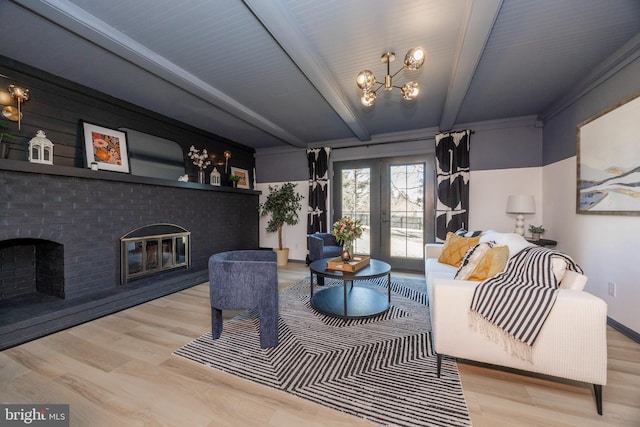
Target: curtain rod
426 138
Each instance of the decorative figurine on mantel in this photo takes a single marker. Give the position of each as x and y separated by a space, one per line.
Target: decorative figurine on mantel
214 177
41 149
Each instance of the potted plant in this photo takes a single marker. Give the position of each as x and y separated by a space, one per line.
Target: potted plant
234 180
283 204
536 231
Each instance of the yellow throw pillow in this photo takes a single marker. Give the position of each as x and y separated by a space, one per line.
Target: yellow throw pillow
455 247
493 262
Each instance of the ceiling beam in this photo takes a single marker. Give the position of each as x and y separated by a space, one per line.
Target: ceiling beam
86 25
479 20
281 24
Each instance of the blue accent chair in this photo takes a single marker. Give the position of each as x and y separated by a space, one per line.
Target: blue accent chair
323 245
241 280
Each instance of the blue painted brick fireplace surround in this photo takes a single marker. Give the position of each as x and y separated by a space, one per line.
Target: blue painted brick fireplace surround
61 227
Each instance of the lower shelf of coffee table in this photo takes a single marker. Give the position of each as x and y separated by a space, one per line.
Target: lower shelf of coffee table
361 301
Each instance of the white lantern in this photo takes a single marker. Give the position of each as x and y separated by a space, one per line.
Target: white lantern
214 177
41 149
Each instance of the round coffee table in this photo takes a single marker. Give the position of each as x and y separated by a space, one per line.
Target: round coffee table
349 301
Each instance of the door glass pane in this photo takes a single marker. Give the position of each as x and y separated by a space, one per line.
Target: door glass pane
356 202
407 210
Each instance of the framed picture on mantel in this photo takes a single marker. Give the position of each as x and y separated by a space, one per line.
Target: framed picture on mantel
105 149
243 176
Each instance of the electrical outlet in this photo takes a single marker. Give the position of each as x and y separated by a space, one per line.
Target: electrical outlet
612 289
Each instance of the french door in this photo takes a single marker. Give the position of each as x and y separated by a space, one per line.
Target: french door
393 198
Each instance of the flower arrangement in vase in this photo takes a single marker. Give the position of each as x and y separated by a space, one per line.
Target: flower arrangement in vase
201 160
346 231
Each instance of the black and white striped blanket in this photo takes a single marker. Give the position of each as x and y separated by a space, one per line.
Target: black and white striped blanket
518 300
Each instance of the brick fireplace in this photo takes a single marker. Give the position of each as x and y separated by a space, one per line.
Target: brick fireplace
60 241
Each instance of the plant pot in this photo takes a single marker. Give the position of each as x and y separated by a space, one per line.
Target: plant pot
283 256
535 236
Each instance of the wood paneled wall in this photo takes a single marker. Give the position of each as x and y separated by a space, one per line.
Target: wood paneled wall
59 106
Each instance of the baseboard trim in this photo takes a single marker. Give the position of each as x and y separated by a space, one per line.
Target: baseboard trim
629 333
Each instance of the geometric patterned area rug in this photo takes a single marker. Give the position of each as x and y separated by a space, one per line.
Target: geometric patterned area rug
382 369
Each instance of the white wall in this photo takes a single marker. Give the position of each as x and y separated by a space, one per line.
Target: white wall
605 246
488 192
488 200
294 237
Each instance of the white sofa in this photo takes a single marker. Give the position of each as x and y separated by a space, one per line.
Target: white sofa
572 343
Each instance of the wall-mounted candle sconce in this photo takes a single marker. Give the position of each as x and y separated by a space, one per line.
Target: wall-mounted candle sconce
217 160
20 95
227 156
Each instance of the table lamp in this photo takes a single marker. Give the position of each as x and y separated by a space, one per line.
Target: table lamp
520 205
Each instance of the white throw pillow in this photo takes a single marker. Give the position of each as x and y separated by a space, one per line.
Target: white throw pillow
513 241
574 281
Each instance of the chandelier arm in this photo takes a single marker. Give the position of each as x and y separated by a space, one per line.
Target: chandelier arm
396 73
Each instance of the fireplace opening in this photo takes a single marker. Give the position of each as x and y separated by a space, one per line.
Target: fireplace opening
31 266
152 249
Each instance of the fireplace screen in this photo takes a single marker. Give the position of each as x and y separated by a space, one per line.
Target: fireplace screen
152 249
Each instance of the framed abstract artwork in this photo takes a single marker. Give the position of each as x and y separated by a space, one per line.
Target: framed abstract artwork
608 157
105 148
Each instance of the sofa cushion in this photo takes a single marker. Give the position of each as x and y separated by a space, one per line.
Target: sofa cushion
433 266
455 248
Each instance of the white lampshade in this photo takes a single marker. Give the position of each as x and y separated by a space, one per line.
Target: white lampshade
524 204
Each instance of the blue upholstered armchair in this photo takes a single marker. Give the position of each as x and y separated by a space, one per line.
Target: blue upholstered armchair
240 280
323 245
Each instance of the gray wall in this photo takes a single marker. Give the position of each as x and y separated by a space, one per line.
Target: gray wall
500 144
560 130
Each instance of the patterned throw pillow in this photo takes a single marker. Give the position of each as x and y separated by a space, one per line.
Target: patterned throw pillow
455 248
492 263
471 260
466 233
482 261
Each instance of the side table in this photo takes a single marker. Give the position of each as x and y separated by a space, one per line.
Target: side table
542 242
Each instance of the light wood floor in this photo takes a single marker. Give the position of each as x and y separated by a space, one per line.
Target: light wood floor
119 371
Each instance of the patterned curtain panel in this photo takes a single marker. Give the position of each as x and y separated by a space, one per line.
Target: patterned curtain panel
452 170
318 181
